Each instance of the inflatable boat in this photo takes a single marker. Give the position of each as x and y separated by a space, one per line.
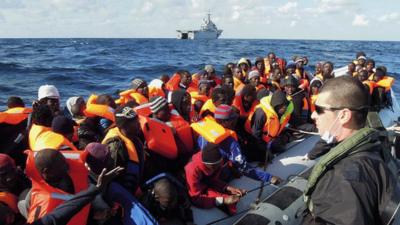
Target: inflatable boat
280 204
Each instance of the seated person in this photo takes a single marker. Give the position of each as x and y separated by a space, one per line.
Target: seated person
74 108
139 92
126 147
230 148
265 125
167 200
206 189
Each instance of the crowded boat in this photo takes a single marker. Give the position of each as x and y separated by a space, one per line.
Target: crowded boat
186 148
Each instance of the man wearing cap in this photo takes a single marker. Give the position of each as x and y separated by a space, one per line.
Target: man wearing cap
126 147
254 79
74 108
265 124
244 66
351 184
139 92
230 148
49 95
206 189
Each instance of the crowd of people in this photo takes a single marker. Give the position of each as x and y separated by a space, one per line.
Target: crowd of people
179 140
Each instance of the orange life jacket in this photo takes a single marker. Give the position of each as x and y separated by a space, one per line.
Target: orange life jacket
313 98
50 139
183 130
195 96
156 88
237 102
128 95
386 82
273 125
35 132
371 85
237 85
45 198
10 200
173 83
115 132
159 137
267 66
14 115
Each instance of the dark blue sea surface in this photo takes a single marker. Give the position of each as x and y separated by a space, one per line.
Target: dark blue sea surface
85 66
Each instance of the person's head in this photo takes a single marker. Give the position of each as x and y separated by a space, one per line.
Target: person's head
106 100
185 76
238 73
164 78
64 126
361 60
229 94
181 101
370 65
160 109
48 94
279 102
276 74
363 75
341 108
166 194
218 96
259 63
228 81
42 115
351 67
290 68
140 86
315 86
383 68
127 121
271 57
248 93
361 53
211 157
318 68
8 172
14 102
203 75
378 75
300 62
243 64
254 78
204 87
210 70
98 157
327 70
76 105
262 93
291 84
226 116
52 166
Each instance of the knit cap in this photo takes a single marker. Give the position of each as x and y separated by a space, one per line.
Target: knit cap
136 83
157 104
224 112
98 154
278 98
253 74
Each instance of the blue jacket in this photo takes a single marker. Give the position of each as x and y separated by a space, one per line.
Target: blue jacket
230 150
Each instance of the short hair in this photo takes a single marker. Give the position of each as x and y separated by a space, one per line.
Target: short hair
48 158
15 101
328 62
42 115
229 93
216 93
105 99
247 90
165 188
370 61
348 92
183 72
361 53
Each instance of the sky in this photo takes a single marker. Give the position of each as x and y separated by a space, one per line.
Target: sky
249 19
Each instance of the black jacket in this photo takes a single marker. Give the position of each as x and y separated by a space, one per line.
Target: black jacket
355 190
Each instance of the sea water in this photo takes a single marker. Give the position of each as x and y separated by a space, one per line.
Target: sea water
79 67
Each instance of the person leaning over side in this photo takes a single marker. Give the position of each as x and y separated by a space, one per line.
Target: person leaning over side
350 184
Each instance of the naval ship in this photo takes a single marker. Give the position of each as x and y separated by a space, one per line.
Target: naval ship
208 30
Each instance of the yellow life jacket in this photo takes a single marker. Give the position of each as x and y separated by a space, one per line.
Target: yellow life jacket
35 132
237 85
50 139
114 132
267 66
386 82
313 98
273 126
211 130
196 96
208 105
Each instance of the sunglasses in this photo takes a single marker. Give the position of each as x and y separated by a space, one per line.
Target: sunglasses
321 109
